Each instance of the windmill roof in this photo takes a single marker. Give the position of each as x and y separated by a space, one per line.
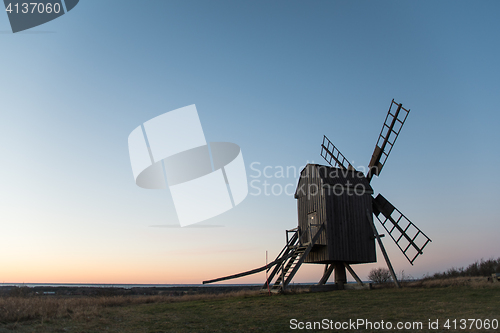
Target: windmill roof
331 176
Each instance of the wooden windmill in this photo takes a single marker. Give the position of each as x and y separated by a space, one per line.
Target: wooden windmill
335 212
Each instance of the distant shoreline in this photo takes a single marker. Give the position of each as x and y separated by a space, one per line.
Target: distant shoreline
70 289
120 285
32 289
152 285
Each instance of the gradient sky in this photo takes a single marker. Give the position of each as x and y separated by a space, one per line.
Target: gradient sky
271 76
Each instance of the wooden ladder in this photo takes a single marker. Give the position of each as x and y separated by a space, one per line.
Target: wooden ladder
285 272
290 260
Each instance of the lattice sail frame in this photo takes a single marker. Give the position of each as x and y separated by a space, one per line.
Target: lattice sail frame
329 152
387 138
407 236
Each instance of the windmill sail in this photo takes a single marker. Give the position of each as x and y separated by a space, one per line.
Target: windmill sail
390 131
407 236
331 154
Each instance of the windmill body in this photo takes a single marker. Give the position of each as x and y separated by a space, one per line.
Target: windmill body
340 199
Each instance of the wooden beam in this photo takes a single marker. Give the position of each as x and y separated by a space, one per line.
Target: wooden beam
253 271
284 255
382 248
339 274
353 274
303 256
326 274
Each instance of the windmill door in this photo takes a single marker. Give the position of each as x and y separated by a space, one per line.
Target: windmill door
312 225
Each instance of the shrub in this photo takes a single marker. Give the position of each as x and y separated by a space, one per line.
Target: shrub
478 268
380 275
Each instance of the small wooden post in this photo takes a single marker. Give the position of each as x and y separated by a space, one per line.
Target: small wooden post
283 275
382 248
267 277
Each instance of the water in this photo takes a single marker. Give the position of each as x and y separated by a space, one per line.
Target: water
125 286
130 286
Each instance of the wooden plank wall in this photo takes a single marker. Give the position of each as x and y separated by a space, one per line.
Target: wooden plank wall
347 236
350 233
311 199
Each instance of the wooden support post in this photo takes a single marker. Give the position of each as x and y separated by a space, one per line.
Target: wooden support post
353 274
283 275
326 274
382 248
340 274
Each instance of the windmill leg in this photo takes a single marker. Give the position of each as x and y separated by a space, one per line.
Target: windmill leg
326 274
340 274
382 248
353 274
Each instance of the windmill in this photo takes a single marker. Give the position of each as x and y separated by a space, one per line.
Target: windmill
335 216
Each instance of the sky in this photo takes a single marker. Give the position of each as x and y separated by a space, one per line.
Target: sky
272 77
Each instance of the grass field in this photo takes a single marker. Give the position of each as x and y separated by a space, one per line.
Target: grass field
253 312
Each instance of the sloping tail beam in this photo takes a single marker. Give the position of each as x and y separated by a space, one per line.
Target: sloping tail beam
285 253
253 271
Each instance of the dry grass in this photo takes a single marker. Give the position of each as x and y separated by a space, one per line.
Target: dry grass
249 311
473 282
17 309
421 299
